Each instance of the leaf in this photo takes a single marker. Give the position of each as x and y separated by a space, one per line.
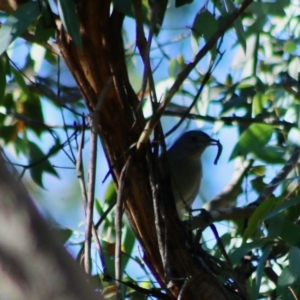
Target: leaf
271 154
20 80
45 27
2 80
290 233
204 25
179 3
125 7
259 170
238 25
259 100
39 164
128 243
286 277
240 252
32 109
9 133
275 225
69 19
260 271
17 23
174 68
283 206
258 184
252 140
258 216
294 259
290 47
63 234
110 193
43 31
98 207
276 9
233 103
160 10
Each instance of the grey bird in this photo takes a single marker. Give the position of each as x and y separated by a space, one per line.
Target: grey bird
185 166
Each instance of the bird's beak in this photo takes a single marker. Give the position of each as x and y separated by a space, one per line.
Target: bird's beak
220 148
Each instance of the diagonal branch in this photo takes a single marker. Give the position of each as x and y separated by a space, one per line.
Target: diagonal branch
186 71
234 213
230 192
232 120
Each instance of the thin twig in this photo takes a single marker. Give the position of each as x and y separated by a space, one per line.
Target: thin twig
61 110
186 71
183 117
228 195
233 120
89 207
122 196
90 194
199 92
80 176
287 168
100 252
233 213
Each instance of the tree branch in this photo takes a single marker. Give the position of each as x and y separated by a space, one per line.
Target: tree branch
186 71
234 213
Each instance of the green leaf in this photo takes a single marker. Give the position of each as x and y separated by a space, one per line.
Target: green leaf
174 68
252 140
9 133
258 103
290 47
2 80
258 184
238 25
204 25
286 277
260 271
43 31
271 154
20 80
276 9
241 251
39 164
45 27
98 207
160 10
294 259
63 234
290 233
17 23
128 243
258 216
125 7
179 3
233 103
283 206
69 19
259 170
275 225
110 193
32 109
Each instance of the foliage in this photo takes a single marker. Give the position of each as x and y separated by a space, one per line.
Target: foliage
247 80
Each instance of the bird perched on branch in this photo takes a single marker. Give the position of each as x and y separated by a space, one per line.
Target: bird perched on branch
185 166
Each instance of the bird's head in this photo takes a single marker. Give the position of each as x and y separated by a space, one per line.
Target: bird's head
193 143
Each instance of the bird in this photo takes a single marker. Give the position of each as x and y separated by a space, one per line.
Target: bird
184 159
